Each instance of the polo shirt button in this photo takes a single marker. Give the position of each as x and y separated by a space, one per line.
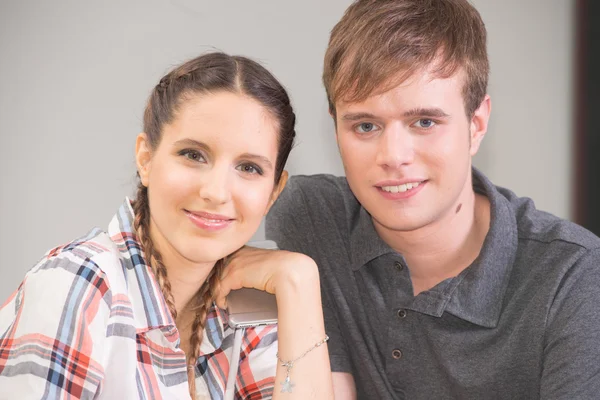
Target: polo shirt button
397 354
401 313
398 265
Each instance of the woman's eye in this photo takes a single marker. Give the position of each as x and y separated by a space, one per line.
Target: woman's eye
192 155
365 127
425 123
250 169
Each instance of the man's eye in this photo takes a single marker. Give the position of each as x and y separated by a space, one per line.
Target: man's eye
192 155
250 169
365 127
425 123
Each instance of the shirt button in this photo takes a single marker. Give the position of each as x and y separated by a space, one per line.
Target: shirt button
397 354
398 265
401 313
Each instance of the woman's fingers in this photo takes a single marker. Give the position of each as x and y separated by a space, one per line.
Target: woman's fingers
229 282
262 269
240 271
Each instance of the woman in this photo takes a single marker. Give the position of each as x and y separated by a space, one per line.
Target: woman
130 313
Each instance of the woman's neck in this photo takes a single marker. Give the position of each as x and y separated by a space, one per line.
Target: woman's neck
185 276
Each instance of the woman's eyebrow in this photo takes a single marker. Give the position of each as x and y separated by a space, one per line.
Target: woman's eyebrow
191 143
258 158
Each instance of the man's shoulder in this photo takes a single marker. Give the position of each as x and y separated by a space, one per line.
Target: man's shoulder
312 210
544 227
322 193
320 185
548 228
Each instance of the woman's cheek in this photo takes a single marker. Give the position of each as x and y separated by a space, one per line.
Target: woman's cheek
253 198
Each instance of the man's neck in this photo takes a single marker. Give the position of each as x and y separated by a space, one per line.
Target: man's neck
444 248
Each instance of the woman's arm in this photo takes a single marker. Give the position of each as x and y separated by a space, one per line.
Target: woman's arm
301 329
294 279
344 387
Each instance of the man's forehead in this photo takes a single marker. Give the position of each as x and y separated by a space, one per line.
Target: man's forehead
420 77
417 80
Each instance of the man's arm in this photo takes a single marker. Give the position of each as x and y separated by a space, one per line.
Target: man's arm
571 365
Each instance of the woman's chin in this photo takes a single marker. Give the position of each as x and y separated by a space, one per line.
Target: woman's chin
208 253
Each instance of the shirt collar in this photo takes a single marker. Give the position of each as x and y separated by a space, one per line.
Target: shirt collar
476 294
481 288
365 243
149 306
216 330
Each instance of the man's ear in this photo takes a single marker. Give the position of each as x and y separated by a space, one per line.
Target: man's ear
479 124
143 157
277 190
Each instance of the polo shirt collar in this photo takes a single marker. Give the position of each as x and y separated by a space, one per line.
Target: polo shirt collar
365 243
476 294
480 289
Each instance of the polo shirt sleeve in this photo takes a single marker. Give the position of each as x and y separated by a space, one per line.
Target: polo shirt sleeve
52 330
289 224
338 353
571 365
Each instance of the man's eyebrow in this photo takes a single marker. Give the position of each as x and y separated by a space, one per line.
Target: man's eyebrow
415 112
258 158
426 112
357 116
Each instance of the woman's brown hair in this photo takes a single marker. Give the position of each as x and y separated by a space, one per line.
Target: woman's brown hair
208 73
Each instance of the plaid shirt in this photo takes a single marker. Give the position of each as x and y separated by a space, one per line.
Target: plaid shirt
89 321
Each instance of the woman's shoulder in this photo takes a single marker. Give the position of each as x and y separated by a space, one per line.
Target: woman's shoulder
64 302
92 259
95 242
79 277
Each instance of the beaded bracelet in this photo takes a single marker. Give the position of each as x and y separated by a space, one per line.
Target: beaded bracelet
287 385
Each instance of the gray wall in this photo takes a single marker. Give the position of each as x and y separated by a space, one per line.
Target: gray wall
74 76
529 142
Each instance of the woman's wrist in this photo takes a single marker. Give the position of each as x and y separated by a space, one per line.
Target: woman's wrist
300 313
298 274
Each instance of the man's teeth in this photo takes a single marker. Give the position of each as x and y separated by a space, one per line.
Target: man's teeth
401 188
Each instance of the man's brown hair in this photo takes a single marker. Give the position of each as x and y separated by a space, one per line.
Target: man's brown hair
379 43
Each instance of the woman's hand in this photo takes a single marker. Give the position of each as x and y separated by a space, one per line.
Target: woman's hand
268 270
294 279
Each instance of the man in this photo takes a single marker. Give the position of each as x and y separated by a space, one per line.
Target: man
436 284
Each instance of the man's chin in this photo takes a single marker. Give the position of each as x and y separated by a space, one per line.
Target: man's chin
405 224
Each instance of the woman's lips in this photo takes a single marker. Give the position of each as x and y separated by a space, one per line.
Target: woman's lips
208 221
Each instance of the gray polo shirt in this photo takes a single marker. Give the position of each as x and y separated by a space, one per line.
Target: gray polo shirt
522 322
